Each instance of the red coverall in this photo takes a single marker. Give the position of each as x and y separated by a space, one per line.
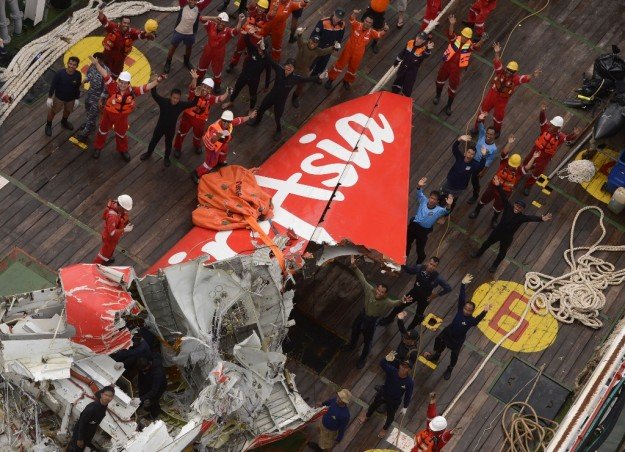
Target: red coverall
479 12
432 9
279 13
547 144
427 440
455 59
509 177
499 93
115 220
118 45
216 152
214 53
256 18
194 118
354 49
118 107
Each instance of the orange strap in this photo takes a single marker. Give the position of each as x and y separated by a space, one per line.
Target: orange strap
251 221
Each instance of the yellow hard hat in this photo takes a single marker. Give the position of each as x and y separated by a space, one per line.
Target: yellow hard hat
150 26
264 4
514 161
512 66
467 32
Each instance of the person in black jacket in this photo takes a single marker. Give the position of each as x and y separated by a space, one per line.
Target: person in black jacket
152 384
407 350
63 94
409 61
286 80
90 419
511 221
169 109
464 167
129 357
329 30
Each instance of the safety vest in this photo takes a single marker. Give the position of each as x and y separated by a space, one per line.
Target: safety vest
548 143
465 52
504 84
111 38
121 103
120 219
216 129
426 441
508 176
201 109
418 51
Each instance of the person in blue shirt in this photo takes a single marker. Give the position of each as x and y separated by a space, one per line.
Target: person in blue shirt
398 385
464 168
422 223
334 421
454 334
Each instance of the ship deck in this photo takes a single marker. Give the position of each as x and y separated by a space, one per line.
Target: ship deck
53 195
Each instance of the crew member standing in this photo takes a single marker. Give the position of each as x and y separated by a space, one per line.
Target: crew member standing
63 94
422 292
464 168
548 142
334 421
95 98
432 10
168 111
116 223
277 16
214 53
118 41
478 13
152 383
330 30
89 420
360 35
253 66
256 18
376 304
119 105
216 140
376 10
308 51
186 26
195 117
511 221
435 435
505 82
454 335
407 349
509 173
428 213
455 59
398 385
409 61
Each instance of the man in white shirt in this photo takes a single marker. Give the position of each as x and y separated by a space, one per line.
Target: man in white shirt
186 25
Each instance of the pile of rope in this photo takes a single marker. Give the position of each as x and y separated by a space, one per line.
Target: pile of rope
525 432
37 56
578 171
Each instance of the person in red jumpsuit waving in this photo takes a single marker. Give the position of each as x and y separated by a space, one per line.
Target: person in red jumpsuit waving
216 140
478 13
435 435
256 18
214 53
116 223
456 58
548 142
118 41
360 36
277 16
119 105
505 82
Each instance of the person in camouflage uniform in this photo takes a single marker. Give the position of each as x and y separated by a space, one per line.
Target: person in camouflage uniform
95 95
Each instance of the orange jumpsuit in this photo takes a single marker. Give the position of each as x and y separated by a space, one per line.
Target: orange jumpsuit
279 13
118 107
427 440
216 151
354 49
115 220
118 45
194 118
256 18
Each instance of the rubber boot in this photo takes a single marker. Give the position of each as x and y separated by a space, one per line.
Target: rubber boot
448 106
476 212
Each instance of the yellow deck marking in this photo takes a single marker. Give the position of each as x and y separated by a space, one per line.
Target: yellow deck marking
594 186
424 360
431 322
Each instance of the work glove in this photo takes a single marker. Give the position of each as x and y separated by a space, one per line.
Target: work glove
76 104
337 46
467 279
391 356
225 134
129 228
396 62
49 102
403 411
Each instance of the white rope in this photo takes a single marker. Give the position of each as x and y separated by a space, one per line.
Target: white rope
578 171
576 295
37 56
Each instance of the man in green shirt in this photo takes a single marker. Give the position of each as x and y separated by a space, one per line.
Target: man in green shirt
376 305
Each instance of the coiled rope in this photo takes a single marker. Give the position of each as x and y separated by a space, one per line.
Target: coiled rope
37 56
578 171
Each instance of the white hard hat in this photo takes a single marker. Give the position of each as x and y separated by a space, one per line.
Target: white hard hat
223 17
208 82
557 121
438 424
125 201
124 76
227 115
